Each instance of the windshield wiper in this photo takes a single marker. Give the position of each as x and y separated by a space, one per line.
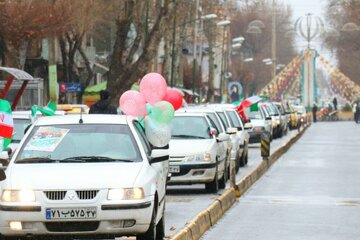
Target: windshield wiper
187 136
83 159
37 160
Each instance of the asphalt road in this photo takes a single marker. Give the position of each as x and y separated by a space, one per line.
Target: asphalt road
312 192
184 202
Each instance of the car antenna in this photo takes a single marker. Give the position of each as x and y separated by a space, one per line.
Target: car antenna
81 120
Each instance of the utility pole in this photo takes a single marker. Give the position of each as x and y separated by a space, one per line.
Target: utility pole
194 47
273 42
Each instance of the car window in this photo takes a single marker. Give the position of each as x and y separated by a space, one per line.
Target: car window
19 128
213 125
190 127
79 143
143 139
234 119
215 119
223 119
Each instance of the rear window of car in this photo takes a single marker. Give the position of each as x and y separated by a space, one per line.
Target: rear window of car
80 142
234 119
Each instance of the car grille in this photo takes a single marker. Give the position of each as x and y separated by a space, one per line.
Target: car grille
55 195
81 194
84 226
87 194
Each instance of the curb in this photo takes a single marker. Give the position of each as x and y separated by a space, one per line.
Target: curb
194 229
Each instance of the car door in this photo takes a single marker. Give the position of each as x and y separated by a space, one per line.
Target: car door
161 168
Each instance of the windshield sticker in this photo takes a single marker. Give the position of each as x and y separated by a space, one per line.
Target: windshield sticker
46 139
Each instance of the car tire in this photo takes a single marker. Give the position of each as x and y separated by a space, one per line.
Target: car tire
213 186
246 158
155 231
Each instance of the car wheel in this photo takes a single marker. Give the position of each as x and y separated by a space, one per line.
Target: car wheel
151 233
246 158
213 186
237 162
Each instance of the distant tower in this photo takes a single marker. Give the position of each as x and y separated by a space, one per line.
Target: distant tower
309 27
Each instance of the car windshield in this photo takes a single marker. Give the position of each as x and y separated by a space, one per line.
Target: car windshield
190 127
255 115
19 128
300 109
79 143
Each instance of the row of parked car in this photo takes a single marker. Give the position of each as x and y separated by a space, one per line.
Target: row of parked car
275 119
99 176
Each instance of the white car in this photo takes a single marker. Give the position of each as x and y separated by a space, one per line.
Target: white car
196 152
261 123
242 133
90 176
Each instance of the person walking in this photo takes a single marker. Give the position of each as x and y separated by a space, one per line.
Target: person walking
357 112
335 103
103 106
314 111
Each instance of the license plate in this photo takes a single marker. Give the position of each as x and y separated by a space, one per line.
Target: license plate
71 213
174 169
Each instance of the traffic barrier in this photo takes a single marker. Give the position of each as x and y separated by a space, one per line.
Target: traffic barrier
227 199
204 220
215 212
184 234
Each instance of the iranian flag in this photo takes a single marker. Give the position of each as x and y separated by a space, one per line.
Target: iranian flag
248 102
6 124
48 110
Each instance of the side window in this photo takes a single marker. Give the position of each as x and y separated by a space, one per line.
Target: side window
141 133
213 125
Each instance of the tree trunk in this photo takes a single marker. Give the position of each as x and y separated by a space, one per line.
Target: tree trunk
121 76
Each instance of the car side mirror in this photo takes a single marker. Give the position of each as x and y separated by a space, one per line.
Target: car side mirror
268 118
231 130
159 155
222 137
248 126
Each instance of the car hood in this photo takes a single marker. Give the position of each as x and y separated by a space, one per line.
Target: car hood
72 175
186 147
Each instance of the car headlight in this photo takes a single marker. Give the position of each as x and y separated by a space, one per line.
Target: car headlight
126 194
274 123
277 122
18 196
199 158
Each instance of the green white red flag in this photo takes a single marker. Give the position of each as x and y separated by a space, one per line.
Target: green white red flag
6 124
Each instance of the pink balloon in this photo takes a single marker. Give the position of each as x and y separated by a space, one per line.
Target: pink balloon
133 103
153 87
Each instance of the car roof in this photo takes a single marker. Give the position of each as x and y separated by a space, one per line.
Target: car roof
193 114
87 119
201 109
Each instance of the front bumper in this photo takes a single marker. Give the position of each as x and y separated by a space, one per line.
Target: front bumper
112 219
192 173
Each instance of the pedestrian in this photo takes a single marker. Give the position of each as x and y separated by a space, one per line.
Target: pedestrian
314 111
357 112
103 106
62 99
335 103
354 110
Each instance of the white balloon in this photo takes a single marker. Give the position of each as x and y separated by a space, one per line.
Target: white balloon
159 136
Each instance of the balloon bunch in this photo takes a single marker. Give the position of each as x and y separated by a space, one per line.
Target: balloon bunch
155 106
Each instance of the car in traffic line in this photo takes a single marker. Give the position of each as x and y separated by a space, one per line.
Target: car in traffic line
197 154
84 176
261 122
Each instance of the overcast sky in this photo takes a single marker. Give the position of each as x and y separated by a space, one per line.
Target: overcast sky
302 7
